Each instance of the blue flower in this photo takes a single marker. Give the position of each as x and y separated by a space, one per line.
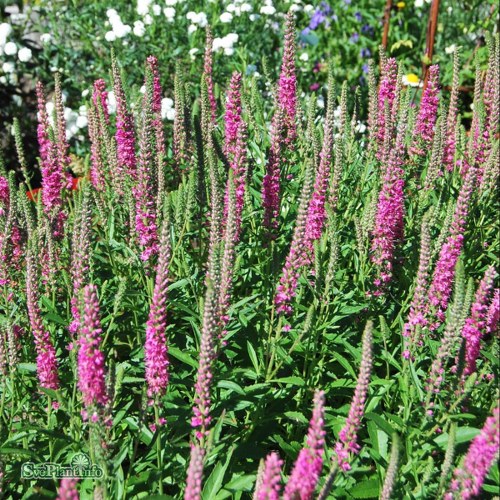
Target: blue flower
354 38
366 68
365 52
358 16
367 29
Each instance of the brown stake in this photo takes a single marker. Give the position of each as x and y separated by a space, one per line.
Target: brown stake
387 21
429 41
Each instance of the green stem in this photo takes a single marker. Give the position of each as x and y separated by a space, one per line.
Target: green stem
158 449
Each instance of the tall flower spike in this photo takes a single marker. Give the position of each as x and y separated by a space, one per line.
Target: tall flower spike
96 166
144 192
67 489
444 272
91 368
307 468
493 313
271 183
316 213
476 325
46 362
155 348
269 487
180 141
349 434
392 469
61 141
287 84
194 474
469 478
125 134
300 253
419 306
208 63
232 117
100 95
386 95
80 256
389 222
52 174
423 133
451 122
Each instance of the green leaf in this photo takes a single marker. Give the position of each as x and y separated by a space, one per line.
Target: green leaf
182 356
214 482
232 386
290 381
366 489
253 357
463 435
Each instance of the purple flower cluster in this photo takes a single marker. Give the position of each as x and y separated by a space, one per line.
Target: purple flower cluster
348 435
469 478
423 132
444 273
155 348
268 487
321 15
91 368
386 95
476 325
307 468
194 474
67 489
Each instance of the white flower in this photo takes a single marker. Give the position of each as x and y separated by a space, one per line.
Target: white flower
197 18
142 90
45 38
111 13
253 17
147 19
231 38
295 8
85 93
170 3
320 101
229 51
167 105
139 28
268 9
169 13
450 49
193 53
111 101
450 10
308 8
143 7
419 3
245 7
10 48
17 99
156 9
5 30
192 28
360 127
110 36
226 17
81 121
24 54
8 67
304 56
121 30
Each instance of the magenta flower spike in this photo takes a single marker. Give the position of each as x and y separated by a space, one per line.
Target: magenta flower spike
67 489
349 434
51 168
155 348
444 272
271 183
61 142
46 362
194 474
423 132
125 134
469 478
96 163
389 225
476 325
287 83
232 117
493 313
269 487
100 95
309 464
386 95
91 367
208 63
145 203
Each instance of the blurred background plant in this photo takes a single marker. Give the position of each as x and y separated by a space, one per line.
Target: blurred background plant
75 38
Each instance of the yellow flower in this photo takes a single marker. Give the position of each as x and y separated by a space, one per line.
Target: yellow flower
411 80
400 5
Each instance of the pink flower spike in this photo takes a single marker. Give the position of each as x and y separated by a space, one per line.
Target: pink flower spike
269 487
